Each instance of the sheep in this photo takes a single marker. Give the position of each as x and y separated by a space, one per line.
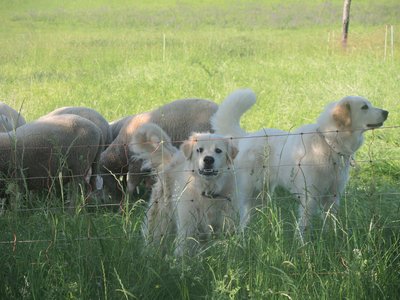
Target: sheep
118 124
178 119
91 115
9 118
40 154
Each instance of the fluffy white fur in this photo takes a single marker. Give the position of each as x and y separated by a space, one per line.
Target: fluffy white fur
312 162
194 195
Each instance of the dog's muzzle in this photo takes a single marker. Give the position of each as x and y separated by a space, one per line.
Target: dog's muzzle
385 114
208 168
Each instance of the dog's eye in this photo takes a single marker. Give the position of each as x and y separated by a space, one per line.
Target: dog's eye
217 150
364 107
200 150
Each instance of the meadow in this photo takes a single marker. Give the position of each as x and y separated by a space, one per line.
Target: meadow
125 57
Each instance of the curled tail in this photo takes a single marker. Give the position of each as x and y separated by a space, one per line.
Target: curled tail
151 144
226 120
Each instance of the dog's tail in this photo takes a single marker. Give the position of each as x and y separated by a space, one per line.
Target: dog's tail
226 120
152 145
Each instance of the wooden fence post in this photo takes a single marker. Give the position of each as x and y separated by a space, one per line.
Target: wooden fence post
346 20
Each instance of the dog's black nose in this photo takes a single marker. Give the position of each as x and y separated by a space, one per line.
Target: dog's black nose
208 160
385 114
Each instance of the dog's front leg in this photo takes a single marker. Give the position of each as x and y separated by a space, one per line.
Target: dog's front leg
307 208
245 190
245 208
186 231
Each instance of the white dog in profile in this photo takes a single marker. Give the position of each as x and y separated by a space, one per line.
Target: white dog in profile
312 162
194 195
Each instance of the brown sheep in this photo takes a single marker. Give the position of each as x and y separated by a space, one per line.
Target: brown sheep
9 118
91 115
38 153
178 119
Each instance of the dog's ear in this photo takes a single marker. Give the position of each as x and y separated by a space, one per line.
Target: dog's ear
342 114
187 148
232 152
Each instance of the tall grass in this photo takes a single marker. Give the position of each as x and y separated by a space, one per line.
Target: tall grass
109 56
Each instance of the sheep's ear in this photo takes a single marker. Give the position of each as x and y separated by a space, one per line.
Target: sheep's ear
232 152
187 148
342 114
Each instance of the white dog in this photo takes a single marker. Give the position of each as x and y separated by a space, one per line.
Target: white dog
312 162
194 195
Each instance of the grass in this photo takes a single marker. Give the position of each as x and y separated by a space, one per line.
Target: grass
109 56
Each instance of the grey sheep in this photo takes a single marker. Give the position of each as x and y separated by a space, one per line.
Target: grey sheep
178 119
38 153
9 118
87 113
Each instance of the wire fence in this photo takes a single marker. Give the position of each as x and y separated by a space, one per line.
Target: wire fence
129 157
369 159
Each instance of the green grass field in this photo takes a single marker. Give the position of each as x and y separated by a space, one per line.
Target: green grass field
126 57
